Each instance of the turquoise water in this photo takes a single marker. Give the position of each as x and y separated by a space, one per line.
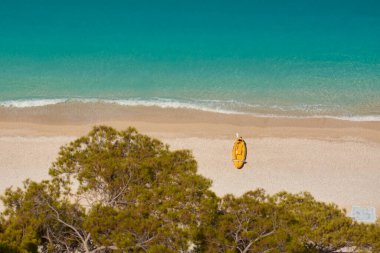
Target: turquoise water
292 58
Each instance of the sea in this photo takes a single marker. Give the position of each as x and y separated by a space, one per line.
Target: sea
288 58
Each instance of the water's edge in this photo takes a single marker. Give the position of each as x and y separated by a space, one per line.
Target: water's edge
215 106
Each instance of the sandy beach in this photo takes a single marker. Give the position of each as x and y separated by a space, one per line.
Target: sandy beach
335 160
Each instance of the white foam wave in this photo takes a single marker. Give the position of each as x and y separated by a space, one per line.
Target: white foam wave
31 103
175 104
356 118
216 106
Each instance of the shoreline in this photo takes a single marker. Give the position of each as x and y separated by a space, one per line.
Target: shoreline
210 106
78 118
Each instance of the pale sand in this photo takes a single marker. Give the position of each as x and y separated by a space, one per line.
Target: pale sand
27 157
337 161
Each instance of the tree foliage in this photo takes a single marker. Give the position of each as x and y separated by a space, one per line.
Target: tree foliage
121 191
112 190
251 223
320 227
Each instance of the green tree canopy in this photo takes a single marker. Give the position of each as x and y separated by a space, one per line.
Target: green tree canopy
250 223
320 227
113 190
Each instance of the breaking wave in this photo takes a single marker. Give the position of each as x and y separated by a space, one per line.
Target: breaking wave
216 106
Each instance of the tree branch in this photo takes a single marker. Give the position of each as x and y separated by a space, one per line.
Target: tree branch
264 235
104 247
83 240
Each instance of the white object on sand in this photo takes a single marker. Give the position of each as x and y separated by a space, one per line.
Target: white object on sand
364 214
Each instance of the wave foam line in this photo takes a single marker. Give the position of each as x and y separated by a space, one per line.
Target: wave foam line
162 103
215 106
168 103
31 103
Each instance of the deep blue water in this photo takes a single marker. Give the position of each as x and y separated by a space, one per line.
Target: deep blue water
270 57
